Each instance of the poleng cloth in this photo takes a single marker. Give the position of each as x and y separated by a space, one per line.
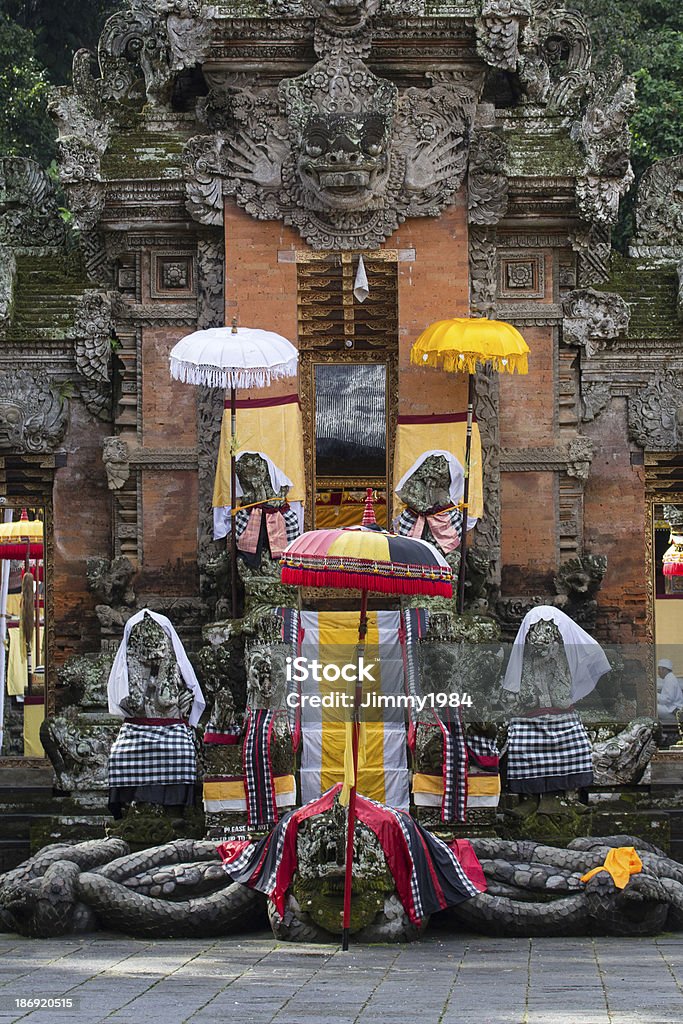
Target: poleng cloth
621 862
418 435
483 780
547 753
585 657
259 784
331 638
272 426
117 684
227 792
144 755
427 874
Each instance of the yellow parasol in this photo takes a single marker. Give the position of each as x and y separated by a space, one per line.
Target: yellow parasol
460 345
21 529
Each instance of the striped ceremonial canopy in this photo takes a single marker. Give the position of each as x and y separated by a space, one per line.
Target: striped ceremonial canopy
366 558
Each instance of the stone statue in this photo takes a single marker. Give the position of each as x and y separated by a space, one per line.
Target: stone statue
428 487
429 491
254 477
78 750
622 759
155 687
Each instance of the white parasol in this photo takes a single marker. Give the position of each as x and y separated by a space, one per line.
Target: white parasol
233 357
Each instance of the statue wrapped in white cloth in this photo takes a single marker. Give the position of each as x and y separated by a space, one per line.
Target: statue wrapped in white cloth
554 663
154 687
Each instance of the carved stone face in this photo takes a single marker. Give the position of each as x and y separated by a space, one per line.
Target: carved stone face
429 486
260 683
344 159
11 424
148 643
252 473
318 885
543 638
345 14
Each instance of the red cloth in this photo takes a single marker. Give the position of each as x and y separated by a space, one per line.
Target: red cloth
464 851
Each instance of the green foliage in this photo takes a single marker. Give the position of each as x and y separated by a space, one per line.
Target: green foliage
25 127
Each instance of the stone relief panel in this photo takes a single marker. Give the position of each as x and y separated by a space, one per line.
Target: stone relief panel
335 152
33 412
655 414
93 334
659 208
521 275
173 275
594 319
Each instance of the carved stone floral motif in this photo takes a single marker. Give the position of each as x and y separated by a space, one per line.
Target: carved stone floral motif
555 58
33 414
343 26
655 414
593 319
605 139
335 152
659 210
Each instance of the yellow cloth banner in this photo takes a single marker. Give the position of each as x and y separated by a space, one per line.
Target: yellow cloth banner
17 665
621 862
448 434
33 718
477 785
272 427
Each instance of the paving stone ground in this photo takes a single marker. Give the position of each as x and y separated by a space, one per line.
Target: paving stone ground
444 979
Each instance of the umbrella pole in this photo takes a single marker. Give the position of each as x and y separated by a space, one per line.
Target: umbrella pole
466 495
233 509
348 874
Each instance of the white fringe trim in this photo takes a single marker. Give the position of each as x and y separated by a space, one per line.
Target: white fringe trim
231 377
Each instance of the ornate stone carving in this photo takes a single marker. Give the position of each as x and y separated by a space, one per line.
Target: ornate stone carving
593 319
79 750
655 413
111 582
679 297
482 271
659 209
343 26
28 206
604 136
335 152
498 29
8 271
621 760
116 458
487 530
580 453
595 396
33 414
487 184
92 332
554 66
577 584
155 686
210 313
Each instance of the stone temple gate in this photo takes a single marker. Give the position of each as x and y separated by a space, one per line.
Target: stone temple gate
236 160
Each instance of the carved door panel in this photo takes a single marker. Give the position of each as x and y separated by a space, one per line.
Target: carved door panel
349 383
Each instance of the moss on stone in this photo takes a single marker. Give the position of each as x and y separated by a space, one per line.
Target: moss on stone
47 290
651 292
144 154
541 154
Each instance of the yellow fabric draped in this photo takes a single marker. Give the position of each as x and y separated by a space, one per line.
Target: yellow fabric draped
34 713
17 666
413 439
276 430
621 862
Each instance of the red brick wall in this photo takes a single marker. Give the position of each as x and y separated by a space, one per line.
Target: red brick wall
169 407
528 543
614 525
82 530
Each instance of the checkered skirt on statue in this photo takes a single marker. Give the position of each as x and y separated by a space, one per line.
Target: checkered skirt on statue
152 764
548 753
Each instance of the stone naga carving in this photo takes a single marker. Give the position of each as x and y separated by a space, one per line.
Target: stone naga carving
655 413
28 206
621 760
593 319
659 207
33 414
336 152
605 139
180 890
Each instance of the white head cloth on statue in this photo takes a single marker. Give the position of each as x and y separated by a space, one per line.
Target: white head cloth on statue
585 657
278 479
117 686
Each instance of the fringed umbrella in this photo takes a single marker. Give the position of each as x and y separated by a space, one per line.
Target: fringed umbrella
23 539
230 358
460 345
364 558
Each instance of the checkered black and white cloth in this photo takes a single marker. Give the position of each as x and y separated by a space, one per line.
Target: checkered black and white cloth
547 753
258 768
144 755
